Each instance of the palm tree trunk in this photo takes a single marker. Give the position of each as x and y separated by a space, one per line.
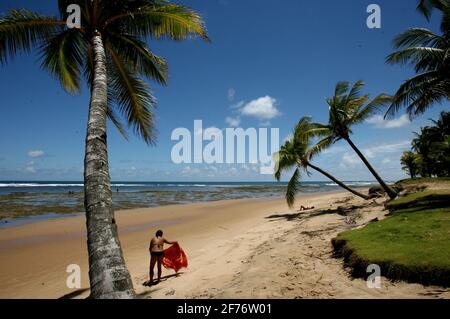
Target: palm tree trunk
108 274
391 193
321 171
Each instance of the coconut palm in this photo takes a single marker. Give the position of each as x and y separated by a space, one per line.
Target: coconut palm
297 153
410 163
429 54
109 51
432 146
423 145
347 108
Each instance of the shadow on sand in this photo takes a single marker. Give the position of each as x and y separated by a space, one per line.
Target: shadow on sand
74 294
163 278
342 211
147 293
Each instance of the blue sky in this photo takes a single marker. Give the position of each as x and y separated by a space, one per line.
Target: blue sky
269 63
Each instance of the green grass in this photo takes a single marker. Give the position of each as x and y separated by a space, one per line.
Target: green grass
413 244
421 200
424 180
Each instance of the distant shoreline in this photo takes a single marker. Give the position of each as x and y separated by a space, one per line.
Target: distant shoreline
24 203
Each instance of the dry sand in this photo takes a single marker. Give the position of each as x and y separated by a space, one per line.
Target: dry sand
236 249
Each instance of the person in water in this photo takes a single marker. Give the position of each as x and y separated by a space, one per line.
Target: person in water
157 252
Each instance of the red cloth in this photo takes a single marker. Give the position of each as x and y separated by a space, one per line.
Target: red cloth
174 258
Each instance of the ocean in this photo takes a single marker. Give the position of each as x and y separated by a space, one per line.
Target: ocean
23 202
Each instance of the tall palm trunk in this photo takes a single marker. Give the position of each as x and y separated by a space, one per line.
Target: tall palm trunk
337 181
108 275
391 193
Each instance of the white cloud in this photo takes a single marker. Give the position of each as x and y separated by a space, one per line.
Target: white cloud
237 105
36 153
29 168
398 147
233 121
334 149
380 122
350 160
231 94
263 108
381 153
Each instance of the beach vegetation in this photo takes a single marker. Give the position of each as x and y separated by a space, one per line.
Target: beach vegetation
410 244
410 163
430 156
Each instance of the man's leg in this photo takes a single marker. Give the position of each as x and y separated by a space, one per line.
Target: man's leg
159 268
152 266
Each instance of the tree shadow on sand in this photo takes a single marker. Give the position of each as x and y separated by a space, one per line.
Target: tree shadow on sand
147 293
74 294
340 210
163 278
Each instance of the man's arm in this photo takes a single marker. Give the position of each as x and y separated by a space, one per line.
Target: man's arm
170 242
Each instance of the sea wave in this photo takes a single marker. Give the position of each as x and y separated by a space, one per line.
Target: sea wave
61 185
38 185
353 184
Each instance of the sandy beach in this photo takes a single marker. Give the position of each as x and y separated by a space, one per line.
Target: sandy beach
250 248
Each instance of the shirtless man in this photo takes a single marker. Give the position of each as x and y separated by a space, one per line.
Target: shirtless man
157 252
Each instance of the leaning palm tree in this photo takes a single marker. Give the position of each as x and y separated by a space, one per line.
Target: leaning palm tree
347 108
429 54
110 52
297 153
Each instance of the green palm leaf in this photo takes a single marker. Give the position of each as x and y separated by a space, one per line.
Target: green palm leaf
21 30
292 188
63 56
133 97
160 19
139 57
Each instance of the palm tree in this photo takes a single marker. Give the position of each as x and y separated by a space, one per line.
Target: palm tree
110 51
429 54
432 145
297 152
409 163
347 108
423 145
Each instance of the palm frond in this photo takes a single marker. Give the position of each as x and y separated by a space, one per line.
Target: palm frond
63 55
133 97
355 91
422 58
426 7
341 88
115 120
21 30
319 147
292 188
139 57
370 108
418 92
419 37
287 158
161 20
